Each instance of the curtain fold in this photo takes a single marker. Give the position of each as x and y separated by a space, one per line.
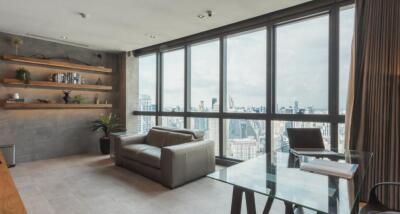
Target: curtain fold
373 119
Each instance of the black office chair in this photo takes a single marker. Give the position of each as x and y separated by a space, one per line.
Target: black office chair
374 205
305 138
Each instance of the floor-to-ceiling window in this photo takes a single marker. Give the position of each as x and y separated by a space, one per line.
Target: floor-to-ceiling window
301 70
147 91
245 88
345 43
203 71
173 66
246 72
204 76
302 64
245 75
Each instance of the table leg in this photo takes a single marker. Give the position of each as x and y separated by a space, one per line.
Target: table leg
268 205
236 205
288 208
356 207
250 202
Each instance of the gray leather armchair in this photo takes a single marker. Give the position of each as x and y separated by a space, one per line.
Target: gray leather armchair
172 157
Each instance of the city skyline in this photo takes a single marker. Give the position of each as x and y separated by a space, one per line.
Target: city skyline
301 83
245 138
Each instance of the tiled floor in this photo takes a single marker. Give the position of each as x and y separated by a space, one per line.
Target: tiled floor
92 184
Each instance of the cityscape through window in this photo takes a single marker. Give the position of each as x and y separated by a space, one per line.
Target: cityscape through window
145 123
246 72
245 139
346 37
280 141
267 79
210 127
204 73
173 122
302 66
173 67
147 83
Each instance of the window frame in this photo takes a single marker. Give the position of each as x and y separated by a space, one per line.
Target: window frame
295 14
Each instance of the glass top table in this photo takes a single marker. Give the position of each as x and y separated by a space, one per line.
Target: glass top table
277 175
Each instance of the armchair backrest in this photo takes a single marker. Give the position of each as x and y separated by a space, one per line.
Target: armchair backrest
197 134
162 136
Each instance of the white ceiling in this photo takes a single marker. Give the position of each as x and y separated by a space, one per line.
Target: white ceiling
124 25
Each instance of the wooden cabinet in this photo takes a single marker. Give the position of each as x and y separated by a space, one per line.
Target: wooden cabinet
10 201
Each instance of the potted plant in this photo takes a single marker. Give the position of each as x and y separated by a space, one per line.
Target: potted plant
17 43
108 124
23 75
79 99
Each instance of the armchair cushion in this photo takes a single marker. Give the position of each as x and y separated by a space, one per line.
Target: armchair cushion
143 153
150 157
156 137
174 138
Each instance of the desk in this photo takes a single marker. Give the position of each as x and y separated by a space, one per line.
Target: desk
10 201
277 176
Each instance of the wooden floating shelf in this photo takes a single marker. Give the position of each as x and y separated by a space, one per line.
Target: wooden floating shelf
48 84
56 63
55 106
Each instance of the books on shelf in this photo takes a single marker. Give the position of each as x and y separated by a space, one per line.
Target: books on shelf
327 167
15 100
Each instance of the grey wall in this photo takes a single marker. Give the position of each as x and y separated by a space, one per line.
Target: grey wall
129 93
43 134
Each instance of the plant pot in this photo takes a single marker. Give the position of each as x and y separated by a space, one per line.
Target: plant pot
105 145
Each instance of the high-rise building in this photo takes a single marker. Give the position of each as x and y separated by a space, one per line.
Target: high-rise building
243 149
145 103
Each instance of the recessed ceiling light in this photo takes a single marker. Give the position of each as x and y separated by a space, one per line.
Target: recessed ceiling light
64 37
152 36
200 16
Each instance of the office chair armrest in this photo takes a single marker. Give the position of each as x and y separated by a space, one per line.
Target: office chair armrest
372 194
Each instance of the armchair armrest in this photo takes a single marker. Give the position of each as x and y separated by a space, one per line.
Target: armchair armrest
120 141
130 139
185 162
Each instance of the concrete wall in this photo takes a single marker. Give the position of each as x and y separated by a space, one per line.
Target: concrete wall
43 134
129 93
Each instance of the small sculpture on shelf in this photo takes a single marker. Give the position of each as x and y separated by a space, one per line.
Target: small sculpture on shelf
96 99
66 97
43 101
99 82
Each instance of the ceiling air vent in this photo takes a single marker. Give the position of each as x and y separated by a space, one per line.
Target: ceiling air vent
57 40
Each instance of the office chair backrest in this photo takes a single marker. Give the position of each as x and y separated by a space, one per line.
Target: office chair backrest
305 138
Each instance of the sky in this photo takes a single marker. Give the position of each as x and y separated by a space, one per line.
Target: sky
301 66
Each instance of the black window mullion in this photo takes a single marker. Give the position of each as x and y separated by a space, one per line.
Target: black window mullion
187 85
222 92
333 79
269 87
158 86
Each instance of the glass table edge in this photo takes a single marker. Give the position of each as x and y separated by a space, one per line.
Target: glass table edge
307 207
261 193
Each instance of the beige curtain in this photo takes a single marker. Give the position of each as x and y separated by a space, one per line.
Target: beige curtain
373 120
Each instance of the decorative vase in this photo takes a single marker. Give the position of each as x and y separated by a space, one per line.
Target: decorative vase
66 97
105 145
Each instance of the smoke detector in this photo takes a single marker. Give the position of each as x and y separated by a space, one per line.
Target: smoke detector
84 15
